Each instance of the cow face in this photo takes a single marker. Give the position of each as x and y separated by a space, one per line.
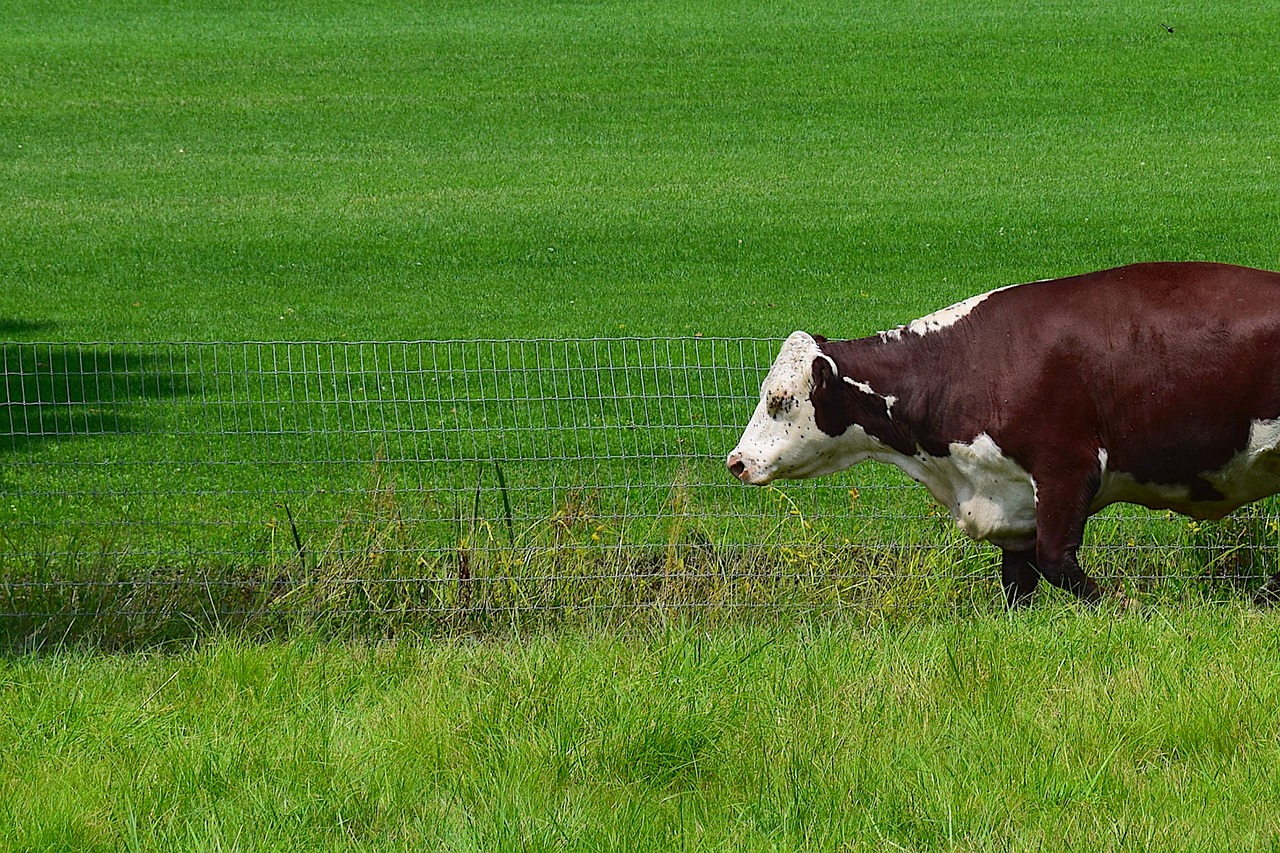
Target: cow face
783 440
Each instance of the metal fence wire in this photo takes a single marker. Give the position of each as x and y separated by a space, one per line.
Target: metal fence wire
150 486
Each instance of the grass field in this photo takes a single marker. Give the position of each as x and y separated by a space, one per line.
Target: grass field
397 171
337 171
1053 730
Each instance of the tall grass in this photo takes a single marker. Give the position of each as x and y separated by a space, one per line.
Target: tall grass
394 561
1055 730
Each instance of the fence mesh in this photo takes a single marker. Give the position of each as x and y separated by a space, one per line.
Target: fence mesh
155 489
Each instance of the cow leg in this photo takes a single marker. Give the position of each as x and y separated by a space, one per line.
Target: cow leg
1061 511
1019 576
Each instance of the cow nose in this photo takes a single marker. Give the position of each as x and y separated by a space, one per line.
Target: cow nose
737 467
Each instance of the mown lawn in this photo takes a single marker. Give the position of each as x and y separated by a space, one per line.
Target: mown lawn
333 171
338 170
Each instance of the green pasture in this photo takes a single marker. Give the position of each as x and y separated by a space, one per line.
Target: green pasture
382 171
398 172
315 173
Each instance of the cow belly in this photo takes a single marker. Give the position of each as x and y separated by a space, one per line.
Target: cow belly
1251 474
1121 487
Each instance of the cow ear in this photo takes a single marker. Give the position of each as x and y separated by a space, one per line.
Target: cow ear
823 374
819 339
832 411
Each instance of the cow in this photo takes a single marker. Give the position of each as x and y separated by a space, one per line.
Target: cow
1029 408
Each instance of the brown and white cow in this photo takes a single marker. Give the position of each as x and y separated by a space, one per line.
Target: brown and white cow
1027 409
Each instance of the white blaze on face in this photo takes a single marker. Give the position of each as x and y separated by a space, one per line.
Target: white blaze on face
783 440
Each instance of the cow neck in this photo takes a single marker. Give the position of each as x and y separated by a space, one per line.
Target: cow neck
870 392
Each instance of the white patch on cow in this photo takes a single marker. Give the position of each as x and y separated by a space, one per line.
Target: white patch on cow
943 317
948 316
1123 487
1255 471
991 497
1251 474
889 399
861 386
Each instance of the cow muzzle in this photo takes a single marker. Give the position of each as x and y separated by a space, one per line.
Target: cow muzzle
739 468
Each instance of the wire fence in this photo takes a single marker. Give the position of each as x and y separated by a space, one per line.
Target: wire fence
150 490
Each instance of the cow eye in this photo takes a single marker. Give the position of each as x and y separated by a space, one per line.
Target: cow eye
778 404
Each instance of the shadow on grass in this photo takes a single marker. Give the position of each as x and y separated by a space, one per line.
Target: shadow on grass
55 392
12 327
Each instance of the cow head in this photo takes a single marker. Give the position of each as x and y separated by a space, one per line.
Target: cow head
792 434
